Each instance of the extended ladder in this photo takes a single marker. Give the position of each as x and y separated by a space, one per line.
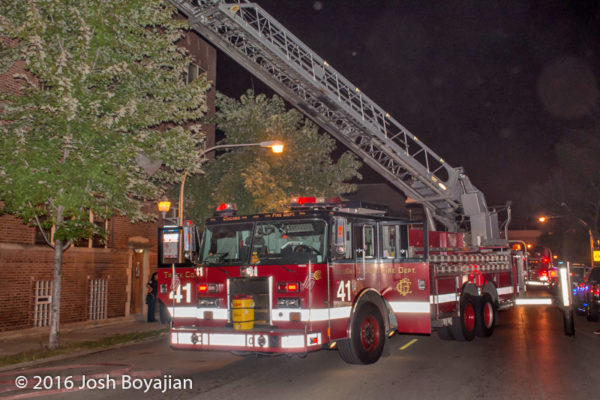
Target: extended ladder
253 38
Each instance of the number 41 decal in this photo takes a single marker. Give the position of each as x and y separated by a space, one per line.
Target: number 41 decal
177 296
344 292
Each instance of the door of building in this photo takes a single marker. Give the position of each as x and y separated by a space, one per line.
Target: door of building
137 283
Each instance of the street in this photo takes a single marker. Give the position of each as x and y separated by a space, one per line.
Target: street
528 357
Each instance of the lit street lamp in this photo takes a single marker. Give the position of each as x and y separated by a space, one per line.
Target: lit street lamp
164 205
276 147
544 219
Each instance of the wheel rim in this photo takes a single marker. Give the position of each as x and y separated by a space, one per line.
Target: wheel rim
488 315
369 333
469 317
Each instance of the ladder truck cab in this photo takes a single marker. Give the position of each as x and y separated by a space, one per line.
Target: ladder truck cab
329 274
541 271
336 274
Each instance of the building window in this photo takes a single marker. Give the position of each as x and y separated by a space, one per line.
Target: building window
194 71
96 241
41 232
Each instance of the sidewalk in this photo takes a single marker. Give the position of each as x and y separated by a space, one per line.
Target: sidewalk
36 339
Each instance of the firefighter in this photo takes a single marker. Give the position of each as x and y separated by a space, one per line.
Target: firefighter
152 289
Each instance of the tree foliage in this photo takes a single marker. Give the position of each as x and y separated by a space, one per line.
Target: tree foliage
572 192
103 88
102 97
254 178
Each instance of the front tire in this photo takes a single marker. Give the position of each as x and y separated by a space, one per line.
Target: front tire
367 337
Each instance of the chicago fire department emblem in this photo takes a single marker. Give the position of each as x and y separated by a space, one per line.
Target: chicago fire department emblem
403 287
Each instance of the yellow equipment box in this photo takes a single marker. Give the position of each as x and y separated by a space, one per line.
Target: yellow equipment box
242 312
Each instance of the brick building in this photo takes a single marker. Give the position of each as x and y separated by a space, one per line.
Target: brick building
98 280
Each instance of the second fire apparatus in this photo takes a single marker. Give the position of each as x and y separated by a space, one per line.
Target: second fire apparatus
333 274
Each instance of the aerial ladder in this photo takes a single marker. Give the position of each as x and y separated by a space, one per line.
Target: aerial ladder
253 38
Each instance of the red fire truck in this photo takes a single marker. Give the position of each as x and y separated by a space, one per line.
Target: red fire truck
328 274
333 274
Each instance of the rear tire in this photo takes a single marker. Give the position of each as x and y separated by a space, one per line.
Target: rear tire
463 326
367 337
445 333
486 316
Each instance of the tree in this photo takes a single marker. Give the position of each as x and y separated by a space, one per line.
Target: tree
573 190
257 180
102 92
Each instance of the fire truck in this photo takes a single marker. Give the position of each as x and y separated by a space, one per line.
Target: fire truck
333 274
541 271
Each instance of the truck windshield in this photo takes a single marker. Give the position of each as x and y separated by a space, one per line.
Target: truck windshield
288 242
226 244
277 242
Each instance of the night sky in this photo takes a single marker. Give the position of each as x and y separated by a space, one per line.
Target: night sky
491 86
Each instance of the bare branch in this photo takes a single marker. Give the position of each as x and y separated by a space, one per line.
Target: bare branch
68 244
37 220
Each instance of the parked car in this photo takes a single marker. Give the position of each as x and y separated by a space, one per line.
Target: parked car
586 296
578 273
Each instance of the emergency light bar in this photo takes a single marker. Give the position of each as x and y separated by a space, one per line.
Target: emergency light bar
225 209
310 201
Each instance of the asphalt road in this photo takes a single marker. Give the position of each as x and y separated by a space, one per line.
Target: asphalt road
528 357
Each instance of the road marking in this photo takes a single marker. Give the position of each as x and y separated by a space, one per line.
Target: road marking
408 344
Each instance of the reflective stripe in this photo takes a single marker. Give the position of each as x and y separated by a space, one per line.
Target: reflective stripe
194 312
183 312
545 300
410 306
443 298
283 314
505 290
536 283
292 341
340 312
314 315
218 313
245 340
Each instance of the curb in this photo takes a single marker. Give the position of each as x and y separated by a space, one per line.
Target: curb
78 353
7 335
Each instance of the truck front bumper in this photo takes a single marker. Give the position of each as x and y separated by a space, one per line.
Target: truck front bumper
287 341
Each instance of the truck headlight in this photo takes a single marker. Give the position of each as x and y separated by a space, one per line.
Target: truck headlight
208 302
288 302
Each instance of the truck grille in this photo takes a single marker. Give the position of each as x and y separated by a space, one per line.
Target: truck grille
260 290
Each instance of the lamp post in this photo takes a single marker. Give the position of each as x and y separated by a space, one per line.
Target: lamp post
276 147
589 229
544 219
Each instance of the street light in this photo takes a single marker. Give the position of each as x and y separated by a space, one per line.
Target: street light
276 147
563 204
544 219
164 205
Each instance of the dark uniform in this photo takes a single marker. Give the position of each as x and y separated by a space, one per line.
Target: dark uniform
152 288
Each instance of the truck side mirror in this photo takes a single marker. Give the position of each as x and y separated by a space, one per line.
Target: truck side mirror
190 240
339 231
170 244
